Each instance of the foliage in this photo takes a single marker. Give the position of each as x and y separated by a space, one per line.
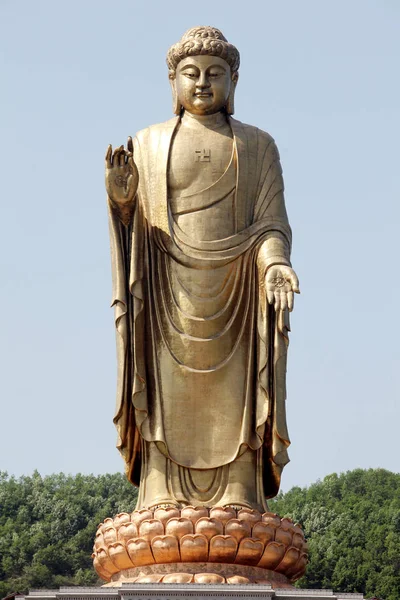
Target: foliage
352 524
47 527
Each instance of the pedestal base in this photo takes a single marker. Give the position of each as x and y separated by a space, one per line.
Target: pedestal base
199 544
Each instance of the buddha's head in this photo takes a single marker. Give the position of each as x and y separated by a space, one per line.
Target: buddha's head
203 71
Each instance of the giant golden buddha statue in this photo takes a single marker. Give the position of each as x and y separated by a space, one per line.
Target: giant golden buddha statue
202 290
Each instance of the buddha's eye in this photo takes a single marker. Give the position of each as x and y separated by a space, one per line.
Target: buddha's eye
191 75
215 75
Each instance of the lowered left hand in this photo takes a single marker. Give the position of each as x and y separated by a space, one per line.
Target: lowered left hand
281 283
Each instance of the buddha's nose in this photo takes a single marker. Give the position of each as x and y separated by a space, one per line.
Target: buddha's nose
203 81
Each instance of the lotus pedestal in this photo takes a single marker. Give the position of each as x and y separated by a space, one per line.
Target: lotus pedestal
200 545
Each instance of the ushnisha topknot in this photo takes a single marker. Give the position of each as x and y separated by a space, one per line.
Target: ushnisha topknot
203 40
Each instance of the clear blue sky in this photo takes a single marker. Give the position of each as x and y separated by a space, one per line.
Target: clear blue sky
323 79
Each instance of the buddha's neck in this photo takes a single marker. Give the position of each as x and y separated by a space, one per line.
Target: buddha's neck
214 121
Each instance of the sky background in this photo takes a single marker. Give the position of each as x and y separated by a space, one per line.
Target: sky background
323 78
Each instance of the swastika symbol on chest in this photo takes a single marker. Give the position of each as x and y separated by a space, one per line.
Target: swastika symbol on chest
202 155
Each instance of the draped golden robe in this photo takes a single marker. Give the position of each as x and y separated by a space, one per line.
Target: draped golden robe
201 355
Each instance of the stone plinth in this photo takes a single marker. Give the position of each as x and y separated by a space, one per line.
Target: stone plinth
194 591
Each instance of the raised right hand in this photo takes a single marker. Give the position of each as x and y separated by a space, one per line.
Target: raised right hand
122 176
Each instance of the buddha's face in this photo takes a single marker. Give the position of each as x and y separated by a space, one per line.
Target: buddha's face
203 84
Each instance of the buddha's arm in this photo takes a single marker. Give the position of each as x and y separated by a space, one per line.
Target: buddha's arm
273 261
273 251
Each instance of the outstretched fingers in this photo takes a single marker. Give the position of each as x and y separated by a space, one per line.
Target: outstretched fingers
277 296
115 158
290 301
131 164
122 158
270 297
284 302
108 156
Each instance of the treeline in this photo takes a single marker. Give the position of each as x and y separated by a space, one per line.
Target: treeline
352 523
47 527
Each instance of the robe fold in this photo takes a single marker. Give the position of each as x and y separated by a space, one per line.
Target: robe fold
201 355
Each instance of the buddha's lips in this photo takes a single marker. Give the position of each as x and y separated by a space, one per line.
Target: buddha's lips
203 95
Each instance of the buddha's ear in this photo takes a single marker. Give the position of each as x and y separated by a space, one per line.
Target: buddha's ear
230 105
176 105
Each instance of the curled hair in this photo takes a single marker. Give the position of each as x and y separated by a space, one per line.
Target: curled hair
203 40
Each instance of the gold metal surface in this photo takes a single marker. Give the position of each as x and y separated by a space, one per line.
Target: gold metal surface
202 290
195 541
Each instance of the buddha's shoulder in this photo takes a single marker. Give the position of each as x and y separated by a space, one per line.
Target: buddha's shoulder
156 130
250 130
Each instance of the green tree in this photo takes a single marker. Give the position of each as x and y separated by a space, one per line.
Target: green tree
352 523
47 527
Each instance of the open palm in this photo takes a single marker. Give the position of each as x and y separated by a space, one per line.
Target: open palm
281 283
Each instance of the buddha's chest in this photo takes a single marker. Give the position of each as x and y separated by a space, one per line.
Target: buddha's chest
198 158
